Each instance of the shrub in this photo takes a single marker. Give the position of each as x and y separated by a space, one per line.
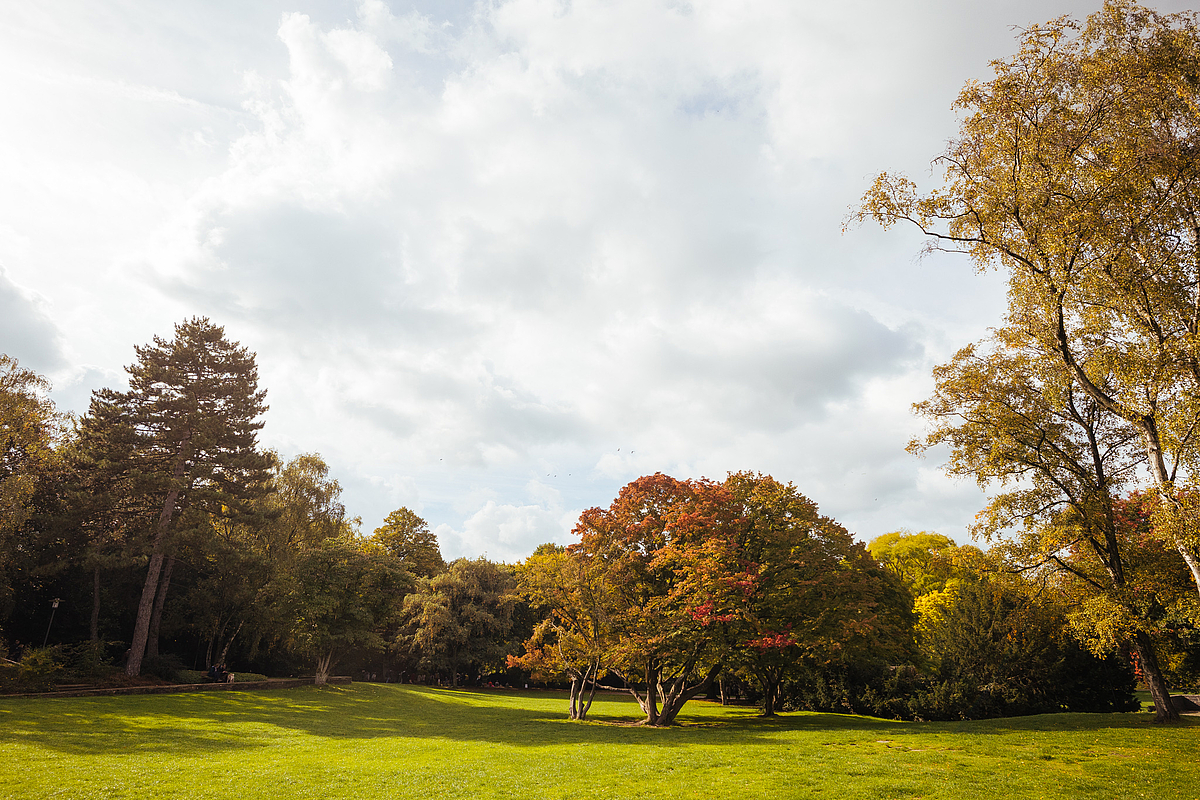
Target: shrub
166 666
40 668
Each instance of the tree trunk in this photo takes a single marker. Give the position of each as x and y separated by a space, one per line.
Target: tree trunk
160 599
95 623
141 629
1164 709
770 692
653 673
595 670
229 641
576 691
680 693
323 664
1158 468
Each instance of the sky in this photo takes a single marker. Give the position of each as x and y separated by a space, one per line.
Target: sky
498 259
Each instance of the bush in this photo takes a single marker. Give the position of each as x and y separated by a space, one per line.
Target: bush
41 668
200 676
167 667
89 661
872 688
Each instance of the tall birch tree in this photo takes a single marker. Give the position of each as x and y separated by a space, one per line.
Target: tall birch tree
1075 172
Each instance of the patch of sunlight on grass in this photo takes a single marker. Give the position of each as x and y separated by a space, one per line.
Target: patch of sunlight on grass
385 741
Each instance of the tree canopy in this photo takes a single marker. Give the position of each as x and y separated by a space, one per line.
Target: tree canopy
407 537
1074 171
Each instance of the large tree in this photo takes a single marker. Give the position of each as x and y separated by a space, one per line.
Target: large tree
1075 172
1058 460
195 404
458 619
242 567
343 596
670 638
799 591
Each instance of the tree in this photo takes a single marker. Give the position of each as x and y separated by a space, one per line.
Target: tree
407 537
1060 458
29 428
108 500
923 561
1075 172
242 566
996 646
576 634
194 402
669 634
803 591
341 596
303 507
458 619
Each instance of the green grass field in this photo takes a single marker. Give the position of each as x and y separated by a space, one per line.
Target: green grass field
386 741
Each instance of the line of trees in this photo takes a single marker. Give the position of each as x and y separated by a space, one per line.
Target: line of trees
158 522
678 584
173 540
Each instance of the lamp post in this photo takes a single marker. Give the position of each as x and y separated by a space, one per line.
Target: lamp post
53 608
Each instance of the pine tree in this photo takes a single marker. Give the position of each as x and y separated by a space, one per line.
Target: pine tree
195 404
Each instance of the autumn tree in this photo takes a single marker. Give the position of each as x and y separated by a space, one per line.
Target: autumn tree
576 634
670 631
923 561
803 591
407 537
195 404
1075 172
1057 460
29 428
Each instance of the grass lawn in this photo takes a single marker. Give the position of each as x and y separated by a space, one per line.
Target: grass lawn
387 741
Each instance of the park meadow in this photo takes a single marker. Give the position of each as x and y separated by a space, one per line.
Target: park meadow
392 741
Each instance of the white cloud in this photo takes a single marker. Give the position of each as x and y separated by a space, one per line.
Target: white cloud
506 532
498 259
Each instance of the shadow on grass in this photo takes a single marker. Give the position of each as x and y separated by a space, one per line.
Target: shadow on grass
196 724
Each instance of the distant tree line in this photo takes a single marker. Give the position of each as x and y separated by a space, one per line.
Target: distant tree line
153 536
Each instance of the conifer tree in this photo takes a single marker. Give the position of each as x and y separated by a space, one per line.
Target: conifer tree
195 404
